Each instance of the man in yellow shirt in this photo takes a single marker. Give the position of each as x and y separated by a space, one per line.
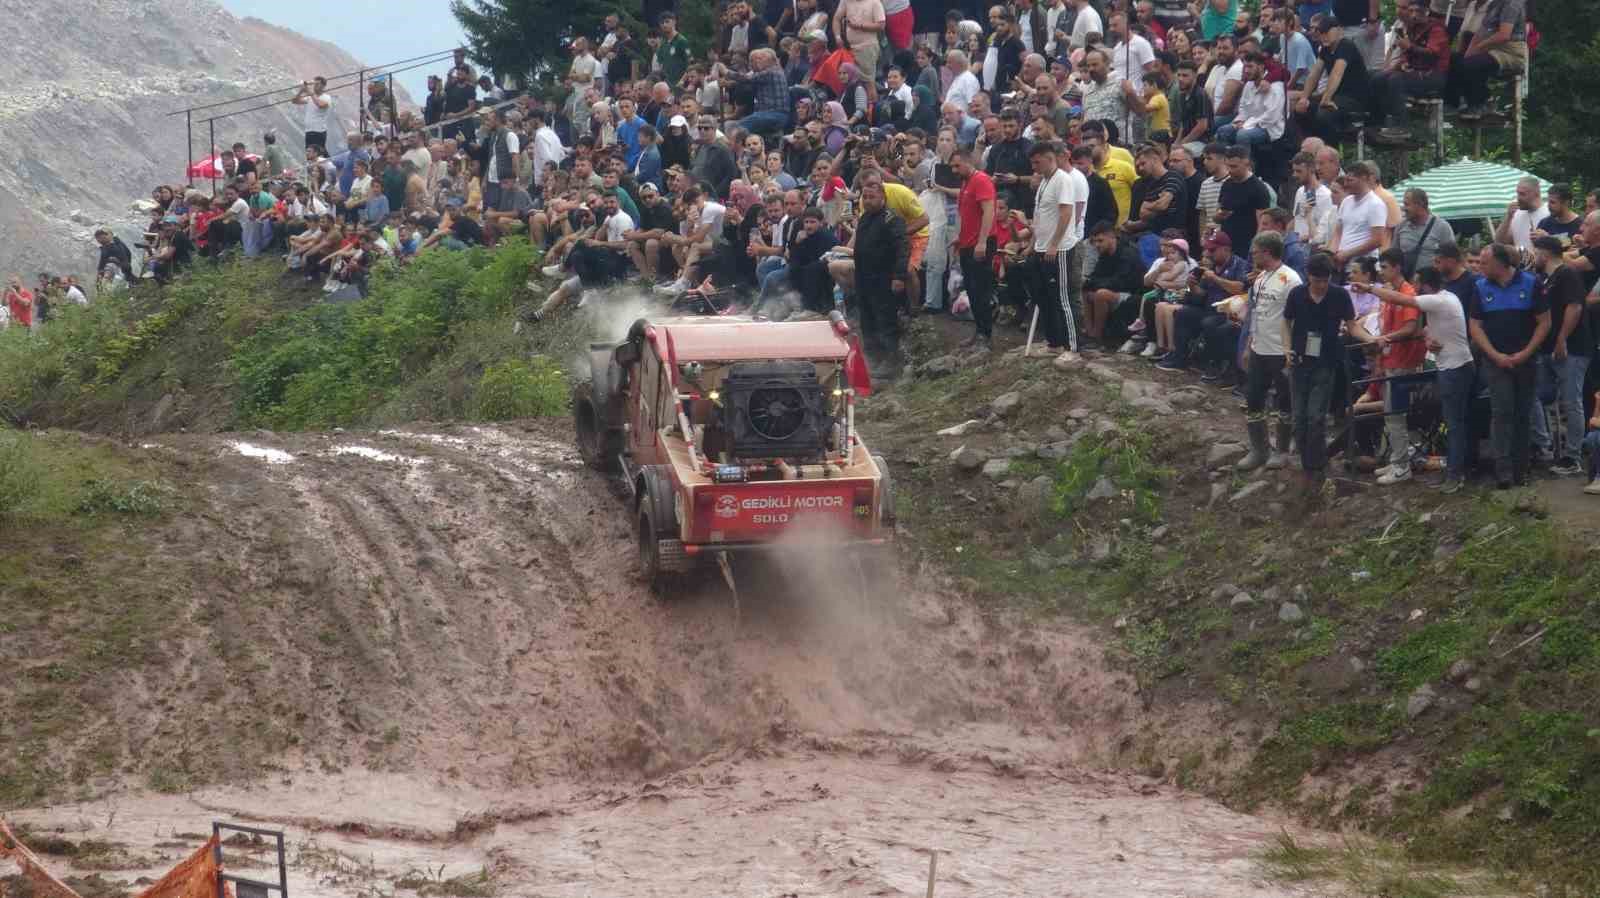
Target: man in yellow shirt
903 203
1115 164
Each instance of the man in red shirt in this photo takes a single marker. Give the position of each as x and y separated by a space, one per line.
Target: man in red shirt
976 207
19 303
1419 67
1400 351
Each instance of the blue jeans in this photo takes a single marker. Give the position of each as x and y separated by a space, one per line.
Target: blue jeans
772 281
771 120
1455 395
1249 137
1591 442
937 260
1565 380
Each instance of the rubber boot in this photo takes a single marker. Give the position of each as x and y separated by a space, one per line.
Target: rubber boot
1258 447
1280 459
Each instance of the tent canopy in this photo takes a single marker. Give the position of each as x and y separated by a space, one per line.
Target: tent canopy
1467 189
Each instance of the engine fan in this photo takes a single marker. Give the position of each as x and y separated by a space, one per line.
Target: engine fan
775 414
774 410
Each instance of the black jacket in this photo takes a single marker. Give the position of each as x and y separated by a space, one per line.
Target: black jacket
881 247
1102 205
1011 157
116 252
714 165
1121 272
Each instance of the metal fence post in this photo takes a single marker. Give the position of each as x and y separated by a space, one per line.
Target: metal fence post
212 124
361 104
188 150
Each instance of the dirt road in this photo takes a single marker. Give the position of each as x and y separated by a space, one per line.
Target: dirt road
430 649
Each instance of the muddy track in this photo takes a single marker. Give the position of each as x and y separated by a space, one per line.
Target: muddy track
436 644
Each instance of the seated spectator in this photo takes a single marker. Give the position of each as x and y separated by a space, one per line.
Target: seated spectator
113 252
1221 275
1417 68
1323 108
174 251
703 235
597 260
510 215
1110 287
1168 280
1498 46
1260 119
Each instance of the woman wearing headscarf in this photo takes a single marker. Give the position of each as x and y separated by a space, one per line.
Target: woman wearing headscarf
836 129
854 96
926 115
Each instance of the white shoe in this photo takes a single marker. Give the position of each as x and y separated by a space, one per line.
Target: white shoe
1593 488
1130 347
1150 351
676 288
1066 360
551 271
1394 474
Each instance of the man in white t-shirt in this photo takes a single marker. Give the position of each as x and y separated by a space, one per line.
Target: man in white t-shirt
1057 222
1268 295
1086 22
1447 326
1313 204
1225 83
1524 213
1131 55
597 260
314 97
703 235
585 69
1362 229
964 86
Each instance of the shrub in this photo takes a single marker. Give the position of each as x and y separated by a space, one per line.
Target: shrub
141 497
520 389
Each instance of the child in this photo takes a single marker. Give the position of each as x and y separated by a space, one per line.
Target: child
1591 444
1170 278
1158 113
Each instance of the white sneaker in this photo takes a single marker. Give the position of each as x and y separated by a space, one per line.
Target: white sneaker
1394 474
1150 351
551 271
1129 348
1593 488
1067 360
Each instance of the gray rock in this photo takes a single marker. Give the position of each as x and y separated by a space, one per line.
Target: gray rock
1186 398
1152 405
1104 426
1160 533
1104 372
888 408
1102 489
1054 434
1005 403
962 429
1022 450
1271 594
1225 454
1290 613
1218 490
1100 549
1223 590
939 367
1078 414
1357 665
968 459
1474 684
1010 484
1242 600
997 468
1054 451
1140 389
1249 489
1461 670
1036 493
1420 701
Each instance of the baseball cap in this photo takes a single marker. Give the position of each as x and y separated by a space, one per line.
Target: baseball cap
1220 238
1183 244
678 121
648 187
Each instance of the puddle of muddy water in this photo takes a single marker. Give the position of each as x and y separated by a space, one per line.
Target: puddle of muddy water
267 454
368 452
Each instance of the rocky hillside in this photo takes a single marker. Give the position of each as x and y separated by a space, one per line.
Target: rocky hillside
84 96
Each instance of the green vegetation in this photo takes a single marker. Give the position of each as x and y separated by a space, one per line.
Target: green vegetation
1370 866
248 345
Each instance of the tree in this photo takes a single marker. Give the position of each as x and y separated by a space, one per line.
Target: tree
529 38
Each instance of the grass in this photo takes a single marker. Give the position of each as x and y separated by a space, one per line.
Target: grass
1367 866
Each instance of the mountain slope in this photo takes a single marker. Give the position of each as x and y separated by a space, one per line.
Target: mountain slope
84 124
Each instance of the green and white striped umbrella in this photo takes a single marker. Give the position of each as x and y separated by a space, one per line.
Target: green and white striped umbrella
1467 189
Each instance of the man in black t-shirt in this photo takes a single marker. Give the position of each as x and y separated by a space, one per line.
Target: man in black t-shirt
1348 90
1313 315
460 100
1563 359
1160 201
1562 222
1453 271
1242 196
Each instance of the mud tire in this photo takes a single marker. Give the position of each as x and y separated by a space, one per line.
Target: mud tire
663 562
596 444
887 516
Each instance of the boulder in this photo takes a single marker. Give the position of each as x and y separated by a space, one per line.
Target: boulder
941 366
1054 451
1249 489
1005 403
1036 494
997 468
1461 670
1290 613
1104 372
1078 414
1140 389
1054 434
968 459
1102 489
1152 405
1420 701
1242 600
887 409
1225 454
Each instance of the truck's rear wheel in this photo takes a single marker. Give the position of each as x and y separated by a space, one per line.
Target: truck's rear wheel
597 449
663 561
886 516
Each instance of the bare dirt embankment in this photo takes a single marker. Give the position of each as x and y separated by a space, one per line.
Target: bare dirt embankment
428 647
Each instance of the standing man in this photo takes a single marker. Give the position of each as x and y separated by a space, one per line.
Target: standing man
673 56
502 147
976 207
1058 207
1313 204
547 146
1509 323
1265 352
1242 196
1563 358
460 102
1523 214
319 108
1361 228
881 237
1313 316
1420 233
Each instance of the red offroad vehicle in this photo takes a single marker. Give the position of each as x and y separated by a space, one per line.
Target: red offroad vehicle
730 433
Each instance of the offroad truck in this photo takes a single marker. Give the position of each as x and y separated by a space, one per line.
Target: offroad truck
730 433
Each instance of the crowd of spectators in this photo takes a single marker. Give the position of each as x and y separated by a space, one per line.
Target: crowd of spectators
1152 177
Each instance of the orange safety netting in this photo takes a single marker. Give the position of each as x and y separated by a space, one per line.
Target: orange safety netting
194 877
